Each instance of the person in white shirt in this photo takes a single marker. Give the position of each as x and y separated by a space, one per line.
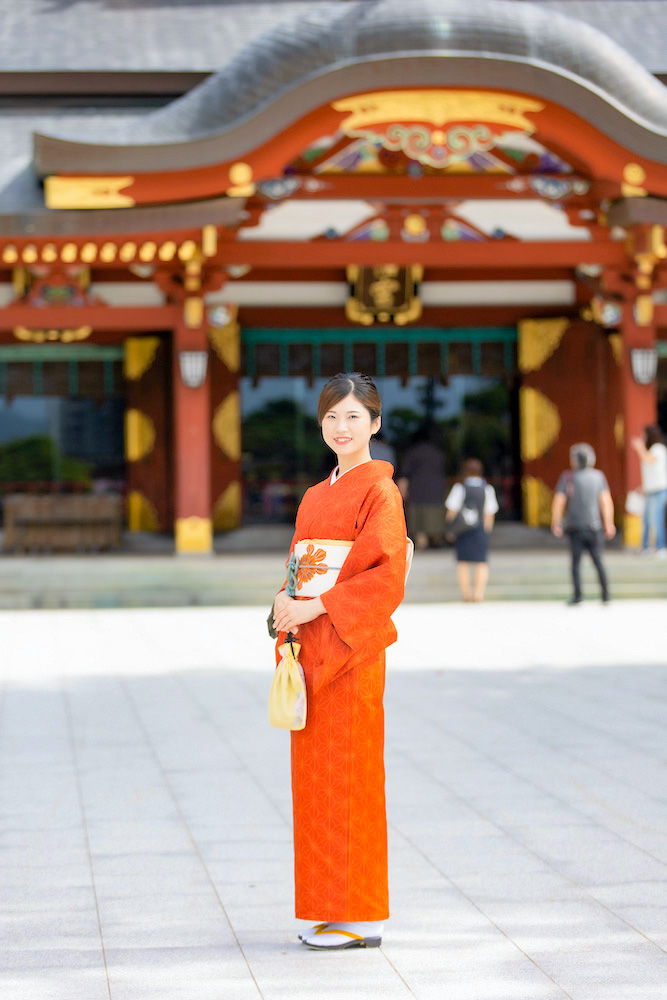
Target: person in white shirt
653 457
475 500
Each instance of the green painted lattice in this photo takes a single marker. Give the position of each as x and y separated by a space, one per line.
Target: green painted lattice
73 354
380 337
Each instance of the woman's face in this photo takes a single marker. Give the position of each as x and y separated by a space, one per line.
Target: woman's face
347 427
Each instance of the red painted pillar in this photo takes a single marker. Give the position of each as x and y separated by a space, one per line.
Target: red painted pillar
639 401
191 438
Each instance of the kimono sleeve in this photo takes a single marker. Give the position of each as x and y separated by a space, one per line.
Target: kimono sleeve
360 605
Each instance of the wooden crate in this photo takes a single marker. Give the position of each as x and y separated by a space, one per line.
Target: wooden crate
62 522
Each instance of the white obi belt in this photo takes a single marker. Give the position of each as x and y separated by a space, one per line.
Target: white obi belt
314 565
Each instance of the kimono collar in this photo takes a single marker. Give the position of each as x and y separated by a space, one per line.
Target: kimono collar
372 471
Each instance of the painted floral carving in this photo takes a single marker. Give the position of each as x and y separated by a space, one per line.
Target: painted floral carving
311 563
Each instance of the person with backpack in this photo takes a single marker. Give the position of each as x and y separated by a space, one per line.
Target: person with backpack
582 506
471 509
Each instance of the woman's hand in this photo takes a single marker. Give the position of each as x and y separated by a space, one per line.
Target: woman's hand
289 613
281 600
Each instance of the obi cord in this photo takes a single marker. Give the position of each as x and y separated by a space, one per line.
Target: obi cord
292 570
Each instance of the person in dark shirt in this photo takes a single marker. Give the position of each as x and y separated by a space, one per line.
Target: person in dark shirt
583 499
422 484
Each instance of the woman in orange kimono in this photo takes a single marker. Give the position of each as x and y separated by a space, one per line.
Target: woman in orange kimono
340 826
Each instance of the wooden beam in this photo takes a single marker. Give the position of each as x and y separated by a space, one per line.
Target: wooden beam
445 187
493 254
431 274
326 317
133 319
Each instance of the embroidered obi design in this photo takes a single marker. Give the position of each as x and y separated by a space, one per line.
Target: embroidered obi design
314 566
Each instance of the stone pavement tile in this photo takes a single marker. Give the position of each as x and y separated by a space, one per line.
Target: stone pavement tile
286 970
510 868
610 721
526 914
56 870
69 978
557 739
507 804
272 843
597 973
164 927
642 904
179 972
273 892
26 931
134 865
444 944
599 856
484 967
266 909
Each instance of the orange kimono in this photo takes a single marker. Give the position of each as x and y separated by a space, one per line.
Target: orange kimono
340 826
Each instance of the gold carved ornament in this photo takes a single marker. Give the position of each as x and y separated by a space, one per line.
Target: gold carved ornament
193 535
139 356
538 340
139 435
25 335
209 241
87 192
540 423
240 180
537 501
616 344
619 431
226 426
226 342
644 310
384 293
141 513
227 509
193 311
436 107
634 176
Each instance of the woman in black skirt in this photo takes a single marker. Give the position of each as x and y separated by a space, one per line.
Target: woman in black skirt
476 503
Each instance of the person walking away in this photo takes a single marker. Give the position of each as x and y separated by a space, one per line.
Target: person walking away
582 497
478 497
422 484
653 457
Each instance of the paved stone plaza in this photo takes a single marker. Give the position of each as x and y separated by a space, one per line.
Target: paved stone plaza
145 809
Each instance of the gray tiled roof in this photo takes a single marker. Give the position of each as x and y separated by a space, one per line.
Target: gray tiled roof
203 35
640 26
517 45
19 190
124 35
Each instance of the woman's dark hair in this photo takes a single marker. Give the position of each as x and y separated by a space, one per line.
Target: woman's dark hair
472 467
653 435
362 388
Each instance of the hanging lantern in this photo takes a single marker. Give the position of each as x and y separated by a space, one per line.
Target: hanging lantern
644 362
193 366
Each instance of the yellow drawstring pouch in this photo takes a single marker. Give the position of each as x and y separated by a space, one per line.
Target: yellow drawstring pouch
287 697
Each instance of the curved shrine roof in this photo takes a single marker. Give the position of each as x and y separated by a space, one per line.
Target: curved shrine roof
334 48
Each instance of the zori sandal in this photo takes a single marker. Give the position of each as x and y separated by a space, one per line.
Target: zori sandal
336 937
